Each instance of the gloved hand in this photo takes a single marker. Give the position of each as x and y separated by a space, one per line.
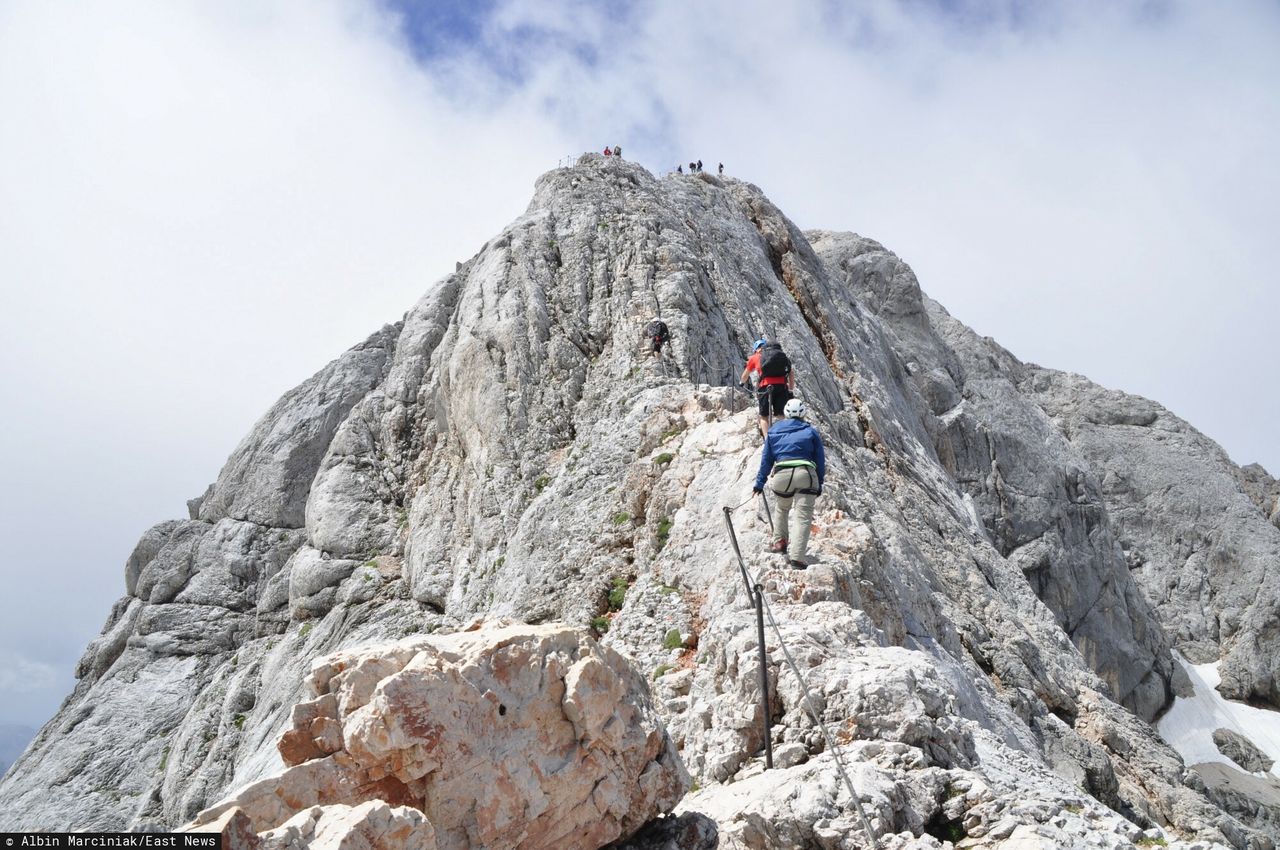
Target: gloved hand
757 490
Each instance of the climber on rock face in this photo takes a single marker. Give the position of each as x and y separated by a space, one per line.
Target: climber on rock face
658 335
750 377
796 465
607 151
775 381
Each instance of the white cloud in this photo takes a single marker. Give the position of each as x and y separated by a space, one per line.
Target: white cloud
19 675
200 204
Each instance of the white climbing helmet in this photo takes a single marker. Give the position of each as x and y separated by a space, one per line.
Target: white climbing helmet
794 409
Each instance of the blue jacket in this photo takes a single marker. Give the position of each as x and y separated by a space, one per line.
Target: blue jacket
791 439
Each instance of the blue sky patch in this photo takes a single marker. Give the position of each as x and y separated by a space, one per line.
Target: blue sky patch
437 30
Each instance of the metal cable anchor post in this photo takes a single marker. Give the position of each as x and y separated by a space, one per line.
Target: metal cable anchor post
764 678
755 590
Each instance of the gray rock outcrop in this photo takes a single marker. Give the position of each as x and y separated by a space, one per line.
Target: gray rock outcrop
269 476
1262 489
1241 750
1215 585
984 626
1251 798
1040 503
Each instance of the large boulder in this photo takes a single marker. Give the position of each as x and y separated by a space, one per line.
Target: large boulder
505 736
1241 750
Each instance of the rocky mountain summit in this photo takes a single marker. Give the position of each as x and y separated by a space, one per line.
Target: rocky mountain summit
1006 555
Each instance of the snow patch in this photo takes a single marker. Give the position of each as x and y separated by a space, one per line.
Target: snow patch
1189 723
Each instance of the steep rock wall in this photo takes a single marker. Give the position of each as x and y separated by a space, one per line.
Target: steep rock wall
1040 503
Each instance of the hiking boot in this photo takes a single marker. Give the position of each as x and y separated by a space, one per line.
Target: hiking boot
797 565
779 546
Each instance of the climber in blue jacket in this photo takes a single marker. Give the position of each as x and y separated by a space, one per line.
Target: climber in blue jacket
796 465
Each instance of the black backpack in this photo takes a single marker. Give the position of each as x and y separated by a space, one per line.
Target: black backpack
657 330
774 362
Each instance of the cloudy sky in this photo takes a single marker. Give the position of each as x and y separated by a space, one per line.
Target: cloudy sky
202 203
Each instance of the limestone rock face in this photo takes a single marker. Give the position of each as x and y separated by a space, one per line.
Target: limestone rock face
1003 554
268 477
504 737
1262 489
1215 585
1040 503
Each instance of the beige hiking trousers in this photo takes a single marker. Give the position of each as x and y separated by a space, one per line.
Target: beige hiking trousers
786 484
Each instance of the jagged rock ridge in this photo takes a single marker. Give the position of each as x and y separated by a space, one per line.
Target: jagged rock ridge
974 622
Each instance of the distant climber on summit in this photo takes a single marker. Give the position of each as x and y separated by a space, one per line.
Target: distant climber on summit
721 169
617 151
775 382
795 463
679 169
607 151
658 335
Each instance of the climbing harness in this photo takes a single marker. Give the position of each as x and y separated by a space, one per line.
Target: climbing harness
756 590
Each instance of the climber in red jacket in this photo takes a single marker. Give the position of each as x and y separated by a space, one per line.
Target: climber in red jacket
774 383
